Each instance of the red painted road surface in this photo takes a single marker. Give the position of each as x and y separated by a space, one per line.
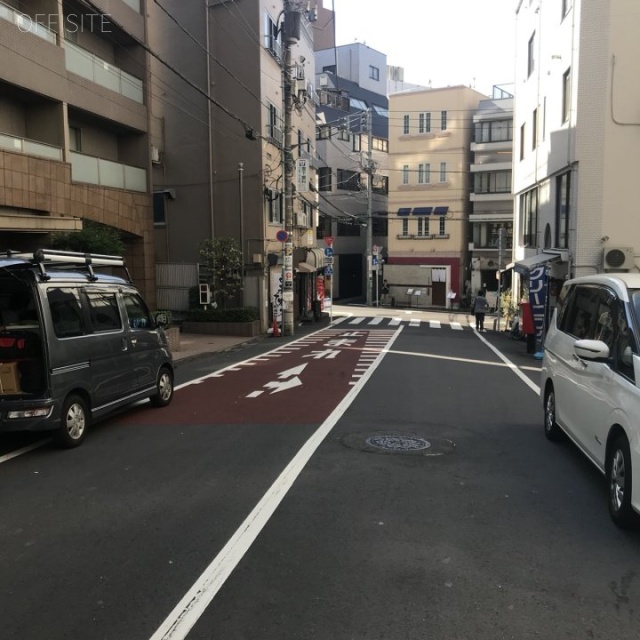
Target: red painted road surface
298 383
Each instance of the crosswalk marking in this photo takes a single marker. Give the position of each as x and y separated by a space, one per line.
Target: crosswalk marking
384 321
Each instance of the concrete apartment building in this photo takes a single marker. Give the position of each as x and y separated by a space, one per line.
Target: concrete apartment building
345 112
491 195
74 124
220 140
577 131
430 135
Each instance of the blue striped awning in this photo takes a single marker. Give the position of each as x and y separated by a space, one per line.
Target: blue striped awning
422 211
441 211
404 211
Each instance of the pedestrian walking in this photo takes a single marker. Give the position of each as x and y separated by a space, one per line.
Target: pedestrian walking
385 292
479 310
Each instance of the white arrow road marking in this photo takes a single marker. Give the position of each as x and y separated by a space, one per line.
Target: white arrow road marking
288 380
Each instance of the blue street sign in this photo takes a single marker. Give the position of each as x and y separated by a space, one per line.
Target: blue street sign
328 251
328 271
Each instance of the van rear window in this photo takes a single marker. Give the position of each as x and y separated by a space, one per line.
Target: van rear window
66 312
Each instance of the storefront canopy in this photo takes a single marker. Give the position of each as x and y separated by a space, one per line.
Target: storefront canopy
525 265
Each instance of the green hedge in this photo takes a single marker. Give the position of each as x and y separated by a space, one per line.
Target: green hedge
241 314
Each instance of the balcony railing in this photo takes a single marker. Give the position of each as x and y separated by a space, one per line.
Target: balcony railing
26 24
90 66
29 147
107 173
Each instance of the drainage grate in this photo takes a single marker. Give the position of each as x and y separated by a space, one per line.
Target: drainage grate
398 443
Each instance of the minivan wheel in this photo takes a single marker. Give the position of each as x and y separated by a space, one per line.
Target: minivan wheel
551 428
164 388
619 478
74 421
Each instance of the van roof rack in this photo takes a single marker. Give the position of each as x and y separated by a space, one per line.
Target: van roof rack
43 257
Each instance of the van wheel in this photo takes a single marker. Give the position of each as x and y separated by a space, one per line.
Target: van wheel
619 478
164 388
73 423
551 428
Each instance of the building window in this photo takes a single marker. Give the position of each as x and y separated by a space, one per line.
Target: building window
534 129
381 185
405 125
275 206
492 182
405 227
531 60
272 37
374 73
357 142
529 217
324 227
563 200
405 174
424 122
494 131
344 134
443 121
423 226
75 139
160 209
380 224
274 131
443 172
566 95
348 229
348 180
424 173
324 179
442 226
522 141
379 144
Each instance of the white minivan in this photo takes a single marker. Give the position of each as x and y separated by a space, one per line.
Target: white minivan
590 384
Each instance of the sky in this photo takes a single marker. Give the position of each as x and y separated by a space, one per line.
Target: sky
438 42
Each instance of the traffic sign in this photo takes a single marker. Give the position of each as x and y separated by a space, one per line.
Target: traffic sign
328 240
328 252
282 235
328 271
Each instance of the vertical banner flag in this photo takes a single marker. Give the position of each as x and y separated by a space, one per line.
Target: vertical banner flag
538 299
302 175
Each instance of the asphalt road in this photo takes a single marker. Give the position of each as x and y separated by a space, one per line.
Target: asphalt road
255 507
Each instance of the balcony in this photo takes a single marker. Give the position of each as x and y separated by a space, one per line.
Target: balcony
26 24
107 173
91 67
30 147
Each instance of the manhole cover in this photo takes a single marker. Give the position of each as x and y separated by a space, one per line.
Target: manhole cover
398 443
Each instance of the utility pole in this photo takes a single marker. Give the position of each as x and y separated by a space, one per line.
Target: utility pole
241 212
370 170
501 247
291 35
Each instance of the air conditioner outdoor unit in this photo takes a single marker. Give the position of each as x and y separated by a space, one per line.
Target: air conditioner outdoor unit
324 80
618 258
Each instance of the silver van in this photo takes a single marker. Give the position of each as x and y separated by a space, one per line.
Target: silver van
75 344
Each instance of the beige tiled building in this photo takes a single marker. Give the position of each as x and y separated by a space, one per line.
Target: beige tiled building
430 133
73 125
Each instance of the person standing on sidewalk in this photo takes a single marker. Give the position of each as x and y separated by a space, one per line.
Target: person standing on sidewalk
385 292
479 310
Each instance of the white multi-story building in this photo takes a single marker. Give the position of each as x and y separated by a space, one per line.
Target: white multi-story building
577 131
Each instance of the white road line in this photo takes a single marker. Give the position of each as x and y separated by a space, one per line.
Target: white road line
377 320
19 452
357 320
195 602
435 324
394 322
339 320
414 322
456 326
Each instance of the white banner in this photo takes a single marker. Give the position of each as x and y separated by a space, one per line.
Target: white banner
302 175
